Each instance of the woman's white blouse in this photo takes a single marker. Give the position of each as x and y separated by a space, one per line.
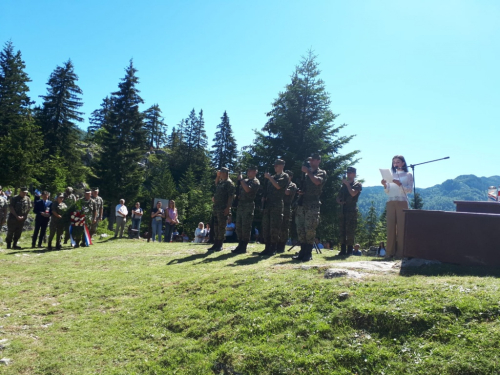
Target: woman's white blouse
398 193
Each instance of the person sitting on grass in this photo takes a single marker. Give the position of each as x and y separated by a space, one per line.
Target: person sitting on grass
381 250
356 250
199 233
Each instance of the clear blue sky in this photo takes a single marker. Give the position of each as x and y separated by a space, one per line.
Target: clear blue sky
414 78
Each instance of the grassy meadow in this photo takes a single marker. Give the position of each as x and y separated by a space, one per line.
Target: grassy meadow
132 307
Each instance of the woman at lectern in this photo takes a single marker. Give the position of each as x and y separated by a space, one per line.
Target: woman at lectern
397 201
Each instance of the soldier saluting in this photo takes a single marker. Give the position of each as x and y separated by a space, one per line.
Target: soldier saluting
246 206
348 214
307 215
272 217
19 207
290 192
223 199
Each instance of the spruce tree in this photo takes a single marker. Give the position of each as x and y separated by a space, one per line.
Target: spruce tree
417 203
155 127
371 222
14 100
224 153
98 117
59 117
300 123
117 172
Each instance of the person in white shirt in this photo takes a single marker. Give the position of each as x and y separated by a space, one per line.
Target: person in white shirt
397 201
121 217
137 213
200 233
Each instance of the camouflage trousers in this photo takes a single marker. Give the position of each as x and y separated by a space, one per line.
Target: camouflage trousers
348 222
14 229
58 229
219 224
272 218
285 226
93 227
244 220
307 220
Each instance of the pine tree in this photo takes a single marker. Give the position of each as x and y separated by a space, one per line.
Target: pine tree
98 117
371 222
301 123
155 127
117 171
417 203
382 227
224 153
201 142
59 117
14 100
159 181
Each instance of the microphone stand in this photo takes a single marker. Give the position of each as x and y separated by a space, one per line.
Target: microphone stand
412 166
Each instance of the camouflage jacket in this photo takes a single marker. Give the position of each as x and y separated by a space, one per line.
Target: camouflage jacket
312 192
273 195
60 209
288 199
21 206
224 190
99 203
345 197
243 196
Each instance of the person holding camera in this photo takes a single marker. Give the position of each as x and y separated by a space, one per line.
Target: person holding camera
223 199
247 192
272 216
347 198
307 215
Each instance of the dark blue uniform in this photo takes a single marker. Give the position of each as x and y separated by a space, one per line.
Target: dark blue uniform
41 222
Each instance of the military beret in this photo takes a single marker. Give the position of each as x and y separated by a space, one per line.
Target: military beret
224 169
252 168
60 195
279 162
88 191
351 170
69 188
25 189
95 189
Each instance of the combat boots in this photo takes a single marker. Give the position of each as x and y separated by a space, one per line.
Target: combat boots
241 249
343 249
9 245
14 246
49 245
300 254
218 246
58 246
280 248
211 248
269 250
236 250
350 248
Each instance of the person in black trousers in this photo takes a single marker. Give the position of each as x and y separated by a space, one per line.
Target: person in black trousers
43 210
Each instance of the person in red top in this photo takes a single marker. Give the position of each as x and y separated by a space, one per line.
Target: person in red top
171 220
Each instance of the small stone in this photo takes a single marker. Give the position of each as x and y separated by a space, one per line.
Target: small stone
343 296
5 361
7 315
335 272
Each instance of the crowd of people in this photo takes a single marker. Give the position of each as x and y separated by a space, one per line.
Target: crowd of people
280 196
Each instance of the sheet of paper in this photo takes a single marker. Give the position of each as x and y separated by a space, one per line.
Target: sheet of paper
386 174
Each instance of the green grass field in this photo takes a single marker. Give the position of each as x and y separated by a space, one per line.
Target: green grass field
131 307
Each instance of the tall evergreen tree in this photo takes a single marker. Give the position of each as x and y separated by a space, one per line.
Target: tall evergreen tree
300 123
155 127
224 153
99 116
201 142
14 100
21 143
117 171
371 222
59 117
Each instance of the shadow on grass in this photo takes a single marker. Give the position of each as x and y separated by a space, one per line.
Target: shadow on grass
252 258
222 256
40 251
190 258
450 270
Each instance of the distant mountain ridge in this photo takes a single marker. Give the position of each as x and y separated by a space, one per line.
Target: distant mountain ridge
438 197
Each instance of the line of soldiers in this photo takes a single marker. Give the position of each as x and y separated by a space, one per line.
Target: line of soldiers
20 205
279 193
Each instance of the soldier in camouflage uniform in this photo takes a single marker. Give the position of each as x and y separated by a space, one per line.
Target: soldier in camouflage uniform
69 199
99 205
272 217
4 209
246 206
19 207
348 213
290 192
89 208
57 222
223 198
307 215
